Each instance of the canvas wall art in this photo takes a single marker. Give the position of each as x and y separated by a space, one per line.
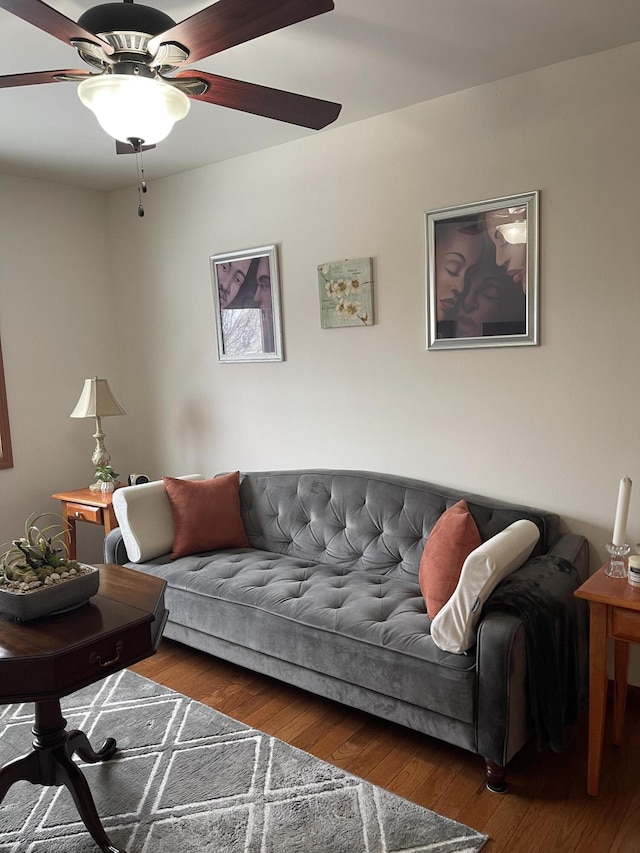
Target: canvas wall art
346 293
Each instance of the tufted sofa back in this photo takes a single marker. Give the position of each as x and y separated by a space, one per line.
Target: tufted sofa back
364 520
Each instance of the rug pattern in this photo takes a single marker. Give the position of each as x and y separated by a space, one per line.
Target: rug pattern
187 778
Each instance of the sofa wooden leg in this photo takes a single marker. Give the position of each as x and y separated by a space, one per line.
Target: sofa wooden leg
496 774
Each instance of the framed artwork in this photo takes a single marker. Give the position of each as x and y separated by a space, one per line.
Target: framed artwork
482 274
6 456
346 293
246 295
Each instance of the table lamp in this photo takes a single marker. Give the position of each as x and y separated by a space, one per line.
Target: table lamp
97 401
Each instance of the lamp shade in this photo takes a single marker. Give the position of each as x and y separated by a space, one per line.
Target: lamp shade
129 107
96 401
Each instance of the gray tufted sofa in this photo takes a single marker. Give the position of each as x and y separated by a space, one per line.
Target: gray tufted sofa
327 599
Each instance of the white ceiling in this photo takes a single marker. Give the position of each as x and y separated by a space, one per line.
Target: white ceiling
373 56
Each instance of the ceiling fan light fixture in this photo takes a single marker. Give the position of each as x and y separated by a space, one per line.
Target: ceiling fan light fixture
131 107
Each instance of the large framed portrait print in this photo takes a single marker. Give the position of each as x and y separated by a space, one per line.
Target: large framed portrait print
246 295
482 274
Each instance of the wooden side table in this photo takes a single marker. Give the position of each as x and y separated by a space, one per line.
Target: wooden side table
85 505
614 611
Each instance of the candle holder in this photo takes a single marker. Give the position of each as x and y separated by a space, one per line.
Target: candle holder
617 566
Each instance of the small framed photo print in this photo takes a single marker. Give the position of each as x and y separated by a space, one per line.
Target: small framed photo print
246 293
482 274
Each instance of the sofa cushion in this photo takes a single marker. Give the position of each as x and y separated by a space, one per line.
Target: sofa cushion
453 629
206 514
454 536
364 628
145 519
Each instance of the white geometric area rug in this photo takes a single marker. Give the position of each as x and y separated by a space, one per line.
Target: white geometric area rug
189 779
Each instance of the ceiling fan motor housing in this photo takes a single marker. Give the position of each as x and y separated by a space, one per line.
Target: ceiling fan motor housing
125 17
128 28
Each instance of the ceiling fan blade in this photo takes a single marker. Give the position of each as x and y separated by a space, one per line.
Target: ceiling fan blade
261 100
35 77
231 22
55 23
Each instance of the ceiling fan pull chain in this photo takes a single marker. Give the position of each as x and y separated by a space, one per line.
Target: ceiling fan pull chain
142 184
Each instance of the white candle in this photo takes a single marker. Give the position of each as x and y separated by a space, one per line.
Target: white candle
622 512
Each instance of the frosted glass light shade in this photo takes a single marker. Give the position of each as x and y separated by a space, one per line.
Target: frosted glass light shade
129 107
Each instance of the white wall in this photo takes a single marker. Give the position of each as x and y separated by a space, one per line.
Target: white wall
554 426
57 325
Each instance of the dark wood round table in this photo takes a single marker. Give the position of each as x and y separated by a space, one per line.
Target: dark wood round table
45 659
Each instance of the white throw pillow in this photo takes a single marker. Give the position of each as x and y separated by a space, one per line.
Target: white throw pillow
453 627
146 519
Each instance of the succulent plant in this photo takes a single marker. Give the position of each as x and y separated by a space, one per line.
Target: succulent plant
106 474
41 552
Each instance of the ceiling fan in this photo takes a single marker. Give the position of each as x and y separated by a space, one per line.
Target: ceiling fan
137 90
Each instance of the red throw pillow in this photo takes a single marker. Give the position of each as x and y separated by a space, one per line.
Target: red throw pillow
206 514
454 536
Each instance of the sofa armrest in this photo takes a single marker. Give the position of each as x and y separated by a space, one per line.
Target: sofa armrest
501 661
575 549
114 548
540 597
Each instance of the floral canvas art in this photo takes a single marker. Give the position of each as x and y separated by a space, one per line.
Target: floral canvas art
346 293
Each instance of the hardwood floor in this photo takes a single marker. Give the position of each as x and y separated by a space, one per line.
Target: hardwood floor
546 809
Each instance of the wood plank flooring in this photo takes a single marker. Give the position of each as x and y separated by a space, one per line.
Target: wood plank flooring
546 809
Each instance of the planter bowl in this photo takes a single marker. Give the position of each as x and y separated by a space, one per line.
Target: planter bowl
47 600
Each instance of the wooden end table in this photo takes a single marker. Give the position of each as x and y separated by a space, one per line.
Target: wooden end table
85 505
614 612
47 658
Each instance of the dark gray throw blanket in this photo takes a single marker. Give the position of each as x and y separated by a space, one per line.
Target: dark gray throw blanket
556 628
